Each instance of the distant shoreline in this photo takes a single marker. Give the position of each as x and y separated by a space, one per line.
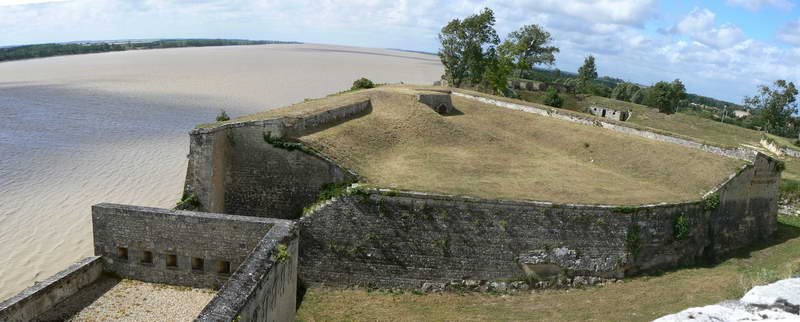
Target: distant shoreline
23 52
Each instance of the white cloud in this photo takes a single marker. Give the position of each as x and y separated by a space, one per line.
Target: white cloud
712 58
700 25
790 33
24 2
755 5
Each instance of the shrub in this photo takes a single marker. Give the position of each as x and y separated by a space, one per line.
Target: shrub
223 116
780 166
188 202
681 227
711 202
552 98
362 83
790 189
283 253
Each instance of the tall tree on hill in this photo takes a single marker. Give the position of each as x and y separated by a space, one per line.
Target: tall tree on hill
465 47
587 72
774 106
665 96
498 66
529 46
676 94
624 91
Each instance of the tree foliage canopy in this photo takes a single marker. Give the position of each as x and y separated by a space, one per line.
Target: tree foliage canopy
529 46
588 71
665 96
465 47
775 106
471 55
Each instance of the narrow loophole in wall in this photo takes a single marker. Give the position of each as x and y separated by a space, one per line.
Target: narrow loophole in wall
197 263
223 267
172 261
147 257
122 253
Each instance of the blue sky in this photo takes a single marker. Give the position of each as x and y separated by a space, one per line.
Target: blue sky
722 48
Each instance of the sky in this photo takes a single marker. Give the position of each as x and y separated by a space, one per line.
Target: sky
723 49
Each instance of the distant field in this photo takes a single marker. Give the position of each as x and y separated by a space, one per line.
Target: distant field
701 129
492 152
637 299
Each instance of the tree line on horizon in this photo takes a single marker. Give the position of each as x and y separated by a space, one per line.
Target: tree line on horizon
474 56
61 49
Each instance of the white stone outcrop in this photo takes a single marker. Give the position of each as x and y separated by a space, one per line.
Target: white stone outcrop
779 301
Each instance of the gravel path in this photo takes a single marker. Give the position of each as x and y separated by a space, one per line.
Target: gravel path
111 299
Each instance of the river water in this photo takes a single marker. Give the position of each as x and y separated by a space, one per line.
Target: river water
112 127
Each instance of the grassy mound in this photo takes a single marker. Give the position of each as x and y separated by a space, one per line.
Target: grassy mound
492 152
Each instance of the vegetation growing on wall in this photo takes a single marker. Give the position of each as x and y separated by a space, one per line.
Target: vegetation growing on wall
711 202
283 253
331 190
632 243
681 227
188 202
281 144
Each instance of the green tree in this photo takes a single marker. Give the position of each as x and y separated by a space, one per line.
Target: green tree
638 96
498 67
774 106
529 46
665 96
677 93
552 98
465 47
587 72
223 116
362 83
624 91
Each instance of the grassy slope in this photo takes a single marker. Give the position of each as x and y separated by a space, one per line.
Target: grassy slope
492 152
700 129
637 299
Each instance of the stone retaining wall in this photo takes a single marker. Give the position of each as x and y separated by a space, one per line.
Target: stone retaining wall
234 168
42 296
404 239
185 248
737 153
264 287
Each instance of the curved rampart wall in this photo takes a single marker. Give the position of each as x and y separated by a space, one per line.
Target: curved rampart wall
737 153
403 239
235 169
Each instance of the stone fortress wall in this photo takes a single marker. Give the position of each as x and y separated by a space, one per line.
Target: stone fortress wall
234 169
254 172
39 298
173 247
185 248
407 239
385 238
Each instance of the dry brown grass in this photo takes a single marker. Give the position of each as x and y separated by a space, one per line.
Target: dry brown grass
638 299
492 152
